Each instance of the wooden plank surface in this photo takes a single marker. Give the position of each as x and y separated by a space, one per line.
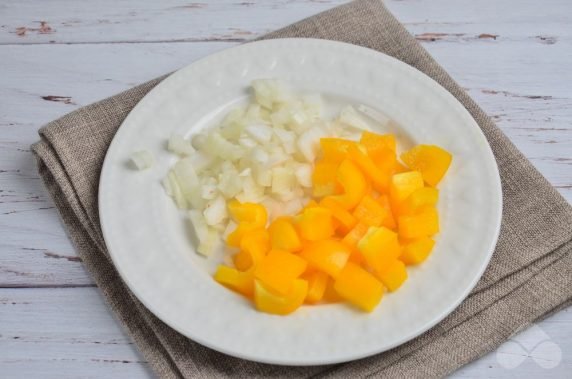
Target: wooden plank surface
513 57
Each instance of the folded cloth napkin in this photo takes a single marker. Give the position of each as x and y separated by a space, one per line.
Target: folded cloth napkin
529 276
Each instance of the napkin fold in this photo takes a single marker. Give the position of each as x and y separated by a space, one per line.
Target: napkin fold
528 278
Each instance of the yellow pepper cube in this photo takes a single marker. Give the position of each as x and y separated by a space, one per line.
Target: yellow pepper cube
423 224
235 238
373 213
270 302
241 282
353 182
335 150
315 223
251 213
379 247
379 179
402 185
432 161
329 256
254 246
359 287
279 269
324 179
393 275
416 251
345 221
283 235
421 198
374 141
317 282
355 235
389 220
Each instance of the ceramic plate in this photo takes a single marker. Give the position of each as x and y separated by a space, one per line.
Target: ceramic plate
148 239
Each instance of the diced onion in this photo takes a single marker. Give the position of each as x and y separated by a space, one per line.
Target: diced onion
179 145
142 159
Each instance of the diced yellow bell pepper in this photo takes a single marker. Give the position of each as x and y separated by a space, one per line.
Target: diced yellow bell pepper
402 185
248 212
235 238
353 182
385 160
379 179
393 275
345 220
324 179
416 251
241 282
359 287
399 168
269 302
283 235
373 213
315 223
421 198
423 224
249 216
432 161
373 141
254 246
278 270
329 256
389 220
334 150
317 282
352 238
379 247
330 294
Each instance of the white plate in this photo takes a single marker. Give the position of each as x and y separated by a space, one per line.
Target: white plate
147 238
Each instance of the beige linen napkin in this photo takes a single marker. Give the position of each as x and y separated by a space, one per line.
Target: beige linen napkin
529 277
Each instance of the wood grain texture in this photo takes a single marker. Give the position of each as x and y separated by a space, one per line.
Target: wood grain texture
513 57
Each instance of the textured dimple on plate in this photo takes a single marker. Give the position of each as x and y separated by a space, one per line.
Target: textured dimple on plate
148 239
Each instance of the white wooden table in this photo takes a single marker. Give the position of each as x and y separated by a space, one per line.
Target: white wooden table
513 56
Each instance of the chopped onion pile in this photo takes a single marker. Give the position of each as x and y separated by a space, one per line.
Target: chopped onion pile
262 153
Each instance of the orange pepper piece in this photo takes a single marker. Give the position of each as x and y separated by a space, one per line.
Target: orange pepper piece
324 179
359 287
373 213
374 141
352 238
283 235
432 161
269 302
393 275
329 256
352 180
234 238
241 282
254 246
416 251
421 198
420 225
317 282
334 150
279 269
379 247
315 223
402 185
345 220
379 179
